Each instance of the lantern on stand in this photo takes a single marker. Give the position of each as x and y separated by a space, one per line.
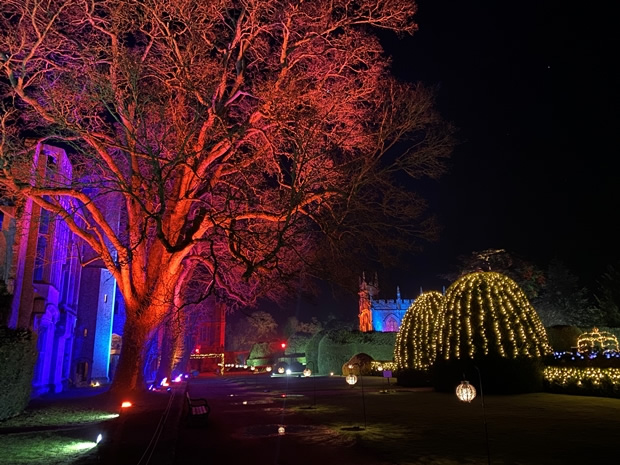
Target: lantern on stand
465 392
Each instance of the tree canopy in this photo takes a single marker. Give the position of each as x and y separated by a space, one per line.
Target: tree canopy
254 138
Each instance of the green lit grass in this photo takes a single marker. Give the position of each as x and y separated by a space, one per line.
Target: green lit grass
56 416
57 434
50 448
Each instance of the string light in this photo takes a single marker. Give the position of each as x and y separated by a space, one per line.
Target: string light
596 340
414 343
565 376
487 312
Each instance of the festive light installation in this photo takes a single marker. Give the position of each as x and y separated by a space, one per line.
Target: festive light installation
414 341
565 376
487 312
465 392
597 341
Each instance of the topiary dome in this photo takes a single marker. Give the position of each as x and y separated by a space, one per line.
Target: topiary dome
414 343
486 313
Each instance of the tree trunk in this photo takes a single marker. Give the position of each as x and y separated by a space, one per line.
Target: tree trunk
129 375
167 349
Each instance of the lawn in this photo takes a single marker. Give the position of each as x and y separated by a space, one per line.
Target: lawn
56 433
429 427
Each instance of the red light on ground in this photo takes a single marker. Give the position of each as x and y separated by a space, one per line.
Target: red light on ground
126 404
283 345
197 351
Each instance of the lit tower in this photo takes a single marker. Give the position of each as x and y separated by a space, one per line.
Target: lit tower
367 293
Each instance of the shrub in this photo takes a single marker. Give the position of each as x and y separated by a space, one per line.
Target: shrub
487 322
414 342
588 381
18 356
563 337
361 365
500 375
312 351
337 346
413 378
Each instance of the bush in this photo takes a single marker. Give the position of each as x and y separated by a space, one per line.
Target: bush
563 337
361 365
336 347
585 381
297 343
312 351
499 375
413 378
18 356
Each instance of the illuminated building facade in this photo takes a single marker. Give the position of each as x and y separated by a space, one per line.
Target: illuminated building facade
71 309
380 315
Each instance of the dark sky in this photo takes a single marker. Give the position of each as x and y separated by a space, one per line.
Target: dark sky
534 94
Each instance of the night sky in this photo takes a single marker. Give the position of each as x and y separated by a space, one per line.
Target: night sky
534 94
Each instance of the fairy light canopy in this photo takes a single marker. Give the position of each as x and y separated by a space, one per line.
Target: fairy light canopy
414 341
597 341
487 313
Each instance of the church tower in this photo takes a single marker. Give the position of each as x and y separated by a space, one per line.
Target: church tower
367 292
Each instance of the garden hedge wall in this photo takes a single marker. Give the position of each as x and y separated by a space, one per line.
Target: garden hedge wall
18 356
336 347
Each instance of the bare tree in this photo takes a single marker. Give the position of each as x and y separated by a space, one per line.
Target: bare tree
234 133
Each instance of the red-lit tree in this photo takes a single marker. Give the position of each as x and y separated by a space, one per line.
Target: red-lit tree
232 133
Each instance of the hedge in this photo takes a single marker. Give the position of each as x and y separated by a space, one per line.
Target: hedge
18 356
336 347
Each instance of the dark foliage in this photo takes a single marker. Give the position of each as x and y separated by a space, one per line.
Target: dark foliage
499 375
17 359
413 378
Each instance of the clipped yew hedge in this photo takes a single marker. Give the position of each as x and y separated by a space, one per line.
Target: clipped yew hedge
336 347
18 356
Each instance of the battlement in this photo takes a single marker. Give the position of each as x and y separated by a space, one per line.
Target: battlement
393 301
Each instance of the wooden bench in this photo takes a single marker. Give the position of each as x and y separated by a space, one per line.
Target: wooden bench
197 407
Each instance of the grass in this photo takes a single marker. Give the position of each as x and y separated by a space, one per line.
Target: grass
59 433
429 427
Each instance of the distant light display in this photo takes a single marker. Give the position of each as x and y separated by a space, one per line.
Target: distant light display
487 312
565 376
414 341
597 341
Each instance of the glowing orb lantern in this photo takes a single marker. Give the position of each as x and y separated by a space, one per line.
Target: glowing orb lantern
288 371
268 369
281 430
307 372
281 370
351 379
465 392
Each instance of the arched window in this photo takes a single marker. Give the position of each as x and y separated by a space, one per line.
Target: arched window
391 324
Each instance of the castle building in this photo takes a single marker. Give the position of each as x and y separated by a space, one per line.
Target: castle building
70 308
65 296
380 315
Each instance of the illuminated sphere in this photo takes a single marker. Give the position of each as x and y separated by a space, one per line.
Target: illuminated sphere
465 392
351 379
307 372
414 341
487 313
281 370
